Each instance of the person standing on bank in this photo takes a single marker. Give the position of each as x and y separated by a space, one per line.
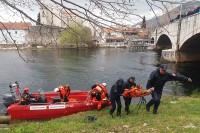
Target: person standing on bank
115 93
157 79
128 85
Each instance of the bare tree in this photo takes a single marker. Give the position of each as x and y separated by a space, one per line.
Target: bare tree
97 14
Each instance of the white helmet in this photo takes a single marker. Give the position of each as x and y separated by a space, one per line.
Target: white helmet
56 90
104 84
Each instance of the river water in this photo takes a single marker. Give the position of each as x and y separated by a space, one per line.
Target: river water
85 67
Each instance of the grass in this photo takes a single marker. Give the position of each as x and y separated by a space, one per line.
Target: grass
175 115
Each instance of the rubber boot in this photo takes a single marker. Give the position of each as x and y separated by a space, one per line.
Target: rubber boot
118 114
155 112
147 108
111 114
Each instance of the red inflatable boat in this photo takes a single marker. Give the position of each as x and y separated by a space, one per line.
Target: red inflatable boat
79 101
48 105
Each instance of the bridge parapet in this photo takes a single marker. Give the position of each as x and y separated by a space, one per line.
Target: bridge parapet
178 36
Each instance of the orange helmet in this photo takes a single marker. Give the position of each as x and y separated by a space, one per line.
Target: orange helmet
26 89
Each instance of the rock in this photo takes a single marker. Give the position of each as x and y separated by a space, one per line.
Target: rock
126 126
173 102
189 126
145 124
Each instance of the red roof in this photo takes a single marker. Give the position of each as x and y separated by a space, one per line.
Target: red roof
15 25
108 30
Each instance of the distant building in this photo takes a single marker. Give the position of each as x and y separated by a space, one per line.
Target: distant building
120 36
111 37
135 33
13 32
56 16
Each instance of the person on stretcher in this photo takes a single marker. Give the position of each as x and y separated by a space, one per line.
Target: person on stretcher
137 91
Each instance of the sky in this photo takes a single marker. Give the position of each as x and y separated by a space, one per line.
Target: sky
31 8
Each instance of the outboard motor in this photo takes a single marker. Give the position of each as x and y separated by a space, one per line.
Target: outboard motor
8 99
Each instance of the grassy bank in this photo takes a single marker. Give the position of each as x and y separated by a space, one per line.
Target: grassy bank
175 115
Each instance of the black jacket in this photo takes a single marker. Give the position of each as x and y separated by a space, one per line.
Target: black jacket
128 85
116 90
27 96
158 80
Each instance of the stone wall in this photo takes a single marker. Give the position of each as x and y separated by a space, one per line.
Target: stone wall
43 36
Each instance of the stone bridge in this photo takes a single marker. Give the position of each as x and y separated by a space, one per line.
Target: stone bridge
179 41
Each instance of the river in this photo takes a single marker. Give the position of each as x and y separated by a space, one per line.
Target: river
85 67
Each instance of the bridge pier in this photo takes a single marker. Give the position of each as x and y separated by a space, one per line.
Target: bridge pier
180 56
169 55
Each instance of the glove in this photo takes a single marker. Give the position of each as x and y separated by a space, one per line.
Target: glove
189 80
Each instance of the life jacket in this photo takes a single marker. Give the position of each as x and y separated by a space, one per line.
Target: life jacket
67 89
99 92
104 89
64 90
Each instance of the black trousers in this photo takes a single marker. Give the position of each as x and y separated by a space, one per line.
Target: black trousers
127 103
119 105
156 96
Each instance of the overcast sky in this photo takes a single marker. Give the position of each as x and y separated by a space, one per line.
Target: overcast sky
31 8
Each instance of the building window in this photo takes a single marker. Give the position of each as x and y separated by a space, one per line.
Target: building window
15 32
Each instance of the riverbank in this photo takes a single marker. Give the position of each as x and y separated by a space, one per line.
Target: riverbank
12 46
176 114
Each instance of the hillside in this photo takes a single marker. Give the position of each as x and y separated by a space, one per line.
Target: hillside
165 19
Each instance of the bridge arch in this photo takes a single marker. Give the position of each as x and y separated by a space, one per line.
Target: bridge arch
163 42
192 44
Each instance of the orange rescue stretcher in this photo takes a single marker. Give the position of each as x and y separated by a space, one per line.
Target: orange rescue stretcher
137 91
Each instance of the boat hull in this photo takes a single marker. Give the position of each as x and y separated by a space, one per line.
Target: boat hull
78 102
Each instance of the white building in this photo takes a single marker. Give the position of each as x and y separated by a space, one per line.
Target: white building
120 36
112 38
57 16
13 32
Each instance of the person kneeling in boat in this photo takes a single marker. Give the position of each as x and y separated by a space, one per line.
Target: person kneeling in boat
64 92
100 92
26 98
